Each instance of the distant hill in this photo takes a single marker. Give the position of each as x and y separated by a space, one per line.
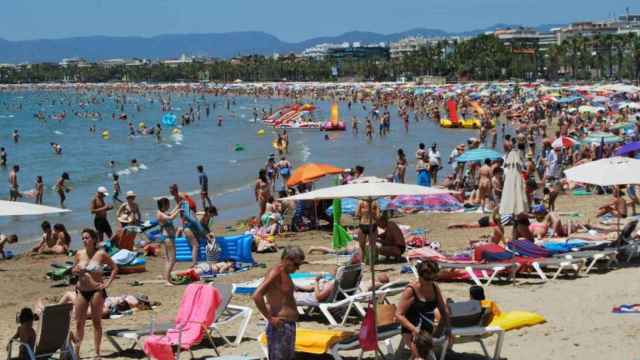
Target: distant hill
222 45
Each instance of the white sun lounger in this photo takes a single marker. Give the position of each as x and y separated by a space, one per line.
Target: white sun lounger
609 257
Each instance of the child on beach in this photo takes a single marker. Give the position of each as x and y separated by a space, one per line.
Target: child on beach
25 332
4 240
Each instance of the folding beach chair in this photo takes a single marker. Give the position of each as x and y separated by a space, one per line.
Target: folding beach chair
228 312
54 334
196 313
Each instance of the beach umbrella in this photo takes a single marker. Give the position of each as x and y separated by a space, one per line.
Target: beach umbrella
563 142
310 172
479 155
368 190
514 196
601 137
606 172
15 208
629 148
586 109
439 202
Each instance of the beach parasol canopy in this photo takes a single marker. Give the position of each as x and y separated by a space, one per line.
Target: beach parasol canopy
514 196
15 208
606 172
563 142
601 137
629 148
439 202
479 155
310 172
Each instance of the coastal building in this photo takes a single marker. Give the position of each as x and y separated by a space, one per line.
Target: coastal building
183 59
523 39
320 51
74 61
357 51
407 46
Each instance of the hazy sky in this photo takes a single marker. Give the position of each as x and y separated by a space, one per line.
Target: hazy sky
290 20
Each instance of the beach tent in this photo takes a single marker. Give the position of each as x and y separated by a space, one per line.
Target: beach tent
309 172
15 208
514 197
369 190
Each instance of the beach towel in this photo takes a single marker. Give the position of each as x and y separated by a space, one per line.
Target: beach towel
626 309
124 257
314 341
196 313
528 249
491 253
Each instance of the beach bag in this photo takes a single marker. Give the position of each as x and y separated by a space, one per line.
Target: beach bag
466 313
385 314
368 337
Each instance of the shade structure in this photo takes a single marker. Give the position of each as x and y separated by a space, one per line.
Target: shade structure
479 155
629 148
15 208
439 202
306 173
563 142
600 137
606 172
369 192
514 196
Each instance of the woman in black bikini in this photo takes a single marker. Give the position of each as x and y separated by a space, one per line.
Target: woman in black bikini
91 287
418 304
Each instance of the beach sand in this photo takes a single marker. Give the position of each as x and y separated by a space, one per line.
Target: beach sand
579 324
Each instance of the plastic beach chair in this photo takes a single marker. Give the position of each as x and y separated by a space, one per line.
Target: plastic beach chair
196 314
54 334
228 312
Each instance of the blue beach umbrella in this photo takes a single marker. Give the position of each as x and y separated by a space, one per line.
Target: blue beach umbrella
479 155
629 148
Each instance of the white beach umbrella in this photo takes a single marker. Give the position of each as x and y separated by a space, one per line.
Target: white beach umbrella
368 189
15 208
514 198
606 172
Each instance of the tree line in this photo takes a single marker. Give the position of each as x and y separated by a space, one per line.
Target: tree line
601 57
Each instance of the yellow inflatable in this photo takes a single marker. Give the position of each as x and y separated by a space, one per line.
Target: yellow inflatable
471 123
106 135
261 132
141 125
513 320
446 123
176 131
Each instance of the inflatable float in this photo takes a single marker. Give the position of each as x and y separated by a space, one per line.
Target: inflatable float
292 116
334 123
106 135
232 248
472 123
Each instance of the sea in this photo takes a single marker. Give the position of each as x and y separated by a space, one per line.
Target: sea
86 155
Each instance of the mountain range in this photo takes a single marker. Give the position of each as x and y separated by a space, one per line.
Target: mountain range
219 45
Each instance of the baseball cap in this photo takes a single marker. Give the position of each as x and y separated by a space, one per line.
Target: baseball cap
103 191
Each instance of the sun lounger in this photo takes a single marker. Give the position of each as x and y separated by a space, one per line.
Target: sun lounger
609 257
540 259
333 342
225 314
478 334
488 271
54 334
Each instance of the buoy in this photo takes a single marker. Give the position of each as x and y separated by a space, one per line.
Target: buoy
106 135
261 132
238 147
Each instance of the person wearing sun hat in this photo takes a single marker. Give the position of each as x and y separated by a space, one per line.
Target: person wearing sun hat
99 208
129 212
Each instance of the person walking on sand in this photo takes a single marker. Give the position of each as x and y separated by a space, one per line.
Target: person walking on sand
275 300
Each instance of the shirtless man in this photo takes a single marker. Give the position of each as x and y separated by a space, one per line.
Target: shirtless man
14 192
617 208
484 183
280 306
99 208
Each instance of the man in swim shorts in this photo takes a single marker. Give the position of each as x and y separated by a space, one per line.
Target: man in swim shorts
99 208
280 306
203 180
14 192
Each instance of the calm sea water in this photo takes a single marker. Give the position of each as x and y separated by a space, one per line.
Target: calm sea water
231 173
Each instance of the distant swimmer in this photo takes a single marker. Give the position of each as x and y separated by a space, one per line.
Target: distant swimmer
3 158
57 148
15 136
220 119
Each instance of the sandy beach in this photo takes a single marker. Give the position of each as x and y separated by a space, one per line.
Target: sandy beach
579 324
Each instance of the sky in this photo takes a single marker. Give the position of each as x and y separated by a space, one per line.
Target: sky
290 20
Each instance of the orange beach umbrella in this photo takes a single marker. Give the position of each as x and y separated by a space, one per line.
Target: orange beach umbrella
310 172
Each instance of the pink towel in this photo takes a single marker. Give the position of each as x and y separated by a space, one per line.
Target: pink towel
196 313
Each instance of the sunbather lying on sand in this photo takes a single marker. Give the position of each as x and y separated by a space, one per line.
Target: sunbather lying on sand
112 304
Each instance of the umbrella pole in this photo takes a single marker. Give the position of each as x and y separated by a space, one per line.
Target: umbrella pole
372 257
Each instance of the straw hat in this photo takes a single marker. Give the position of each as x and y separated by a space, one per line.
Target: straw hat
130 193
